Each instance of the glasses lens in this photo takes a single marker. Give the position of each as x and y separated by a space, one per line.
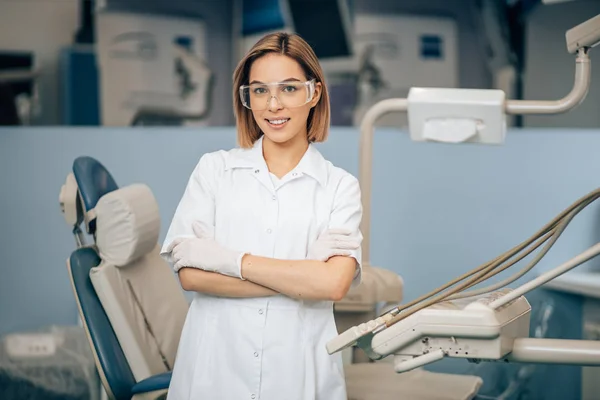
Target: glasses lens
288 94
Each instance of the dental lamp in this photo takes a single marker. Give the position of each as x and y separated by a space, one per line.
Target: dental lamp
585 35
491 323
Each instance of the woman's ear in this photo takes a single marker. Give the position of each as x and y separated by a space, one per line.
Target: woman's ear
316 95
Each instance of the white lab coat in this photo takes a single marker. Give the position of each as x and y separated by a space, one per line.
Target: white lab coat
268 348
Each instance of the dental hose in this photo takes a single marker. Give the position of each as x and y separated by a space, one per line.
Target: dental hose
549 233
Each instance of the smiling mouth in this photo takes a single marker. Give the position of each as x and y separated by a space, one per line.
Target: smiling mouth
277 122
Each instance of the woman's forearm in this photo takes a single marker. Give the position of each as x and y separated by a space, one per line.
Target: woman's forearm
302 279
197 280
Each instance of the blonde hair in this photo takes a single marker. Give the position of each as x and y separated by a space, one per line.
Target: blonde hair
295 47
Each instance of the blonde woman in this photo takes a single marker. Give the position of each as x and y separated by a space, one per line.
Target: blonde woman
267 236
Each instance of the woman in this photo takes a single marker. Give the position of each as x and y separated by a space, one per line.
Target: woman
267 236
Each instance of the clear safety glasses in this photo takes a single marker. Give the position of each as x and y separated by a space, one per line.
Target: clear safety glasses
257 96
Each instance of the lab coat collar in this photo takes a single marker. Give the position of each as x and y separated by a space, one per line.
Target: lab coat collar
312 163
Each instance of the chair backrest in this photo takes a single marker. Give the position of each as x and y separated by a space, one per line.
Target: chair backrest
111 363
131 303
137 288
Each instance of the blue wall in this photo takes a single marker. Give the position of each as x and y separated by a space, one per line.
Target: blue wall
438 210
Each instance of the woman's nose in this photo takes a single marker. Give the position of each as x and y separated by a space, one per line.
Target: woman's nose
274 104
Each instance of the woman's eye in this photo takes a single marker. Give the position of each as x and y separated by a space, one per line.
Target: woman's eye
289 88
259 90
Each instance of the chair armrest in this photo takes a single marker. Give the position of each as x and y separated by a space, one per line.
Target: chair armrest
152 383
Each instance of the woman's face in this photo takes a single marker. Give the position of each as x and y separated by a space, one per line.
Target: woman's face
276 108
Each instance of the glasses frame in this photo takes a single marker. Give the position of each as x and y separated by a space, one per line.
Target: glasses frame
310 84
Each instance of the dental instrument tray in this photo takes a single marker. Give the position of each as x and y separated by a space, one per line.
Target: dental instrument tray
484 324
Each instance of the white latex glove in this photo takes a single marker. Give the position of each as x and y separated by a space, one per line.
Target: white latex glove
332 242
203 252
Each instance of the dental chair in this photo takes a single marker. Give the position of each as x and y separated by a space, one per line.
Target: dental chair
130 303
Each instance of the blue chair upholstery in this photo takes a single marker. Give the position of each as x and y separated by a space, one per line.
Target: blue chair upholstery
94 181
109 355
156 382
112 365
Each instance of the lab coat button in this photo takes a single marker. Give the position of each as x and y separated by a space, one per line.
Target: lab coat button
256 171
260 312
253 396
274 197
269 231
255 354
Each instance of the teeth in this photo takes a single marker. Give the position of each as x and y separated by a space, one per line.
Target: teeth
277 121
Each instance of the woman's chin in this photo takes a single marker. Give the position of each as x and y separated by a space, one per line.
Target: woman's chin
277 135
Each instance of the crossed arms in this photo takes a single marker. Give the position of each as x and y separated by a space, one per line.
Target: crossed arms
300 279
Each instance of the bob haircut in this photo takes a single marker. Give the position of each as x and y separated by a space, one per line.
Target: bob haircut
295 47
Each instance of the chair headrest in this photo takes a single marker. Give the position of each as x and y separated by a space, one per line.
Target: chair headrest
127 224
93 181
69 202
